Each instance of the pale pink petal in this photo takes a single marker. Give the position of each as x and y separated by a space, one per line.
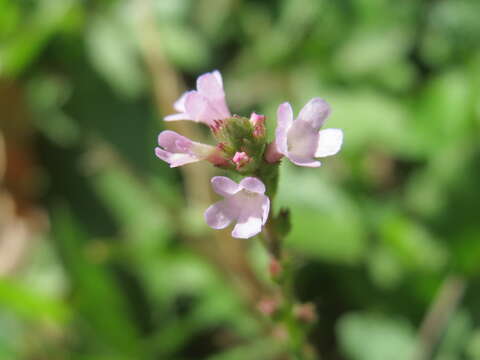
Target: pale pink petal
200 109
224 186
314 113
265 205
247 227
220 215
302 161
329 142
253 184
284 122
302 140
174 142
209 85
179 105
175 159
252 217
217 74
175 117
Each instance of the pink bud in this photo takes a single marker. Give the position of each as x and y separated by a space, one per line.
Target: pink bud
275 268
272 155
305 312
240 159
258 122
216 125
267 306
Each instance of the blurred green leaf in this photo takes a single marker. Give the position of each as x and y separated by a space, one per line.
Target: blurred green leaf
365 336
113 52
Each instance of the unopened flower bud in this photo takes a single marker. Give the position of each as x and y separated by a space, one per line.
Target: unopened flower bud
258 123
272 155
268 306
305 312
274 268
240 159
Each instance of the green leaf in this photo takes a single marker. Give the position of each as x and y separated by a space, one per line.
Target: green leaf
366 336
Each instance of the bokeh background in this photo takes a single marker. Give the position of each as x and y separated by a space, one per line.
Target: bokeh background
104 254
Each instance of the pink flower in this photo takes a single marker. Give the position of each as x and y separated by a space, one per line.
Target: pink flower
177 150
205 104
245 203
302 140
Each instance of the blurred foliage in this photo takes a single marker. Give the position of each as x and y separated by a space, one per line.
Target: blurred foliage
377 228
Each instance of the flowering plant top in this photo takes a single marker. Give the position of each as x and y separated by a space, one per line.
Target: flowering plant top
242 147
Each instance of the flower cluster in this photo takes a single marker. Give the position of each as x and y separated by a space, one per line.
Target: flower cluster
242 147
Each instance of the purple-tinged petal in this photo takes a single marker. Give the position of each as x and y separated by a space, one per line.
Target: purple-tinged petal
265 205
247 227
175 159
220 215
329 142
314 113
179 105
224 186
304 161
302 140
284 122
218 75
175 117
178 150
252 217
243 204
174 142
253 185
200 109
209 85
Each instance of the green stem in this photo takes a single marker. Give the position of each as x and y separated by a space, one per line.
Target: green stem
272 239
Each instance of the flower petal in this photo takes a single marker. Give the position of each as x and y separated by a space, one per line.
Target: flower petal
304 161
329 142
253 215
224 186
284 122
179 105
253 184
314 113
302 140
175 159
200 109
174 142
210 85
175 117
219 215
265 205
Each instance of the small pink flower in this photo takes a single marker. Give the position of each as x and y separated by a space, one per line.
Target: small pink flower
245 203
240 159
302 140
205 104
177 150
